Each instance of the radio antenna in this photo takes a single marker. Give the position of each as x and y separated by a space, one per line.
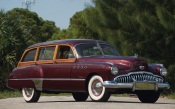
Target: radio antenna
28 4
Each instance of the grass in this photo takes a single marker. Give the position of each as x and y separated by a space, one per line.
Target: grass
170 95
16 93
10 94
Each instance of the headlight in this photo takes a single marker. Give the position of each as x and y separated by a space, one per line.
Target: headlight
114 70
163 71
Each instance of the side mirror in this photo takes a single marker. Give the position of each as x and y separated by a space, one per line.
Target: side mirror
71 55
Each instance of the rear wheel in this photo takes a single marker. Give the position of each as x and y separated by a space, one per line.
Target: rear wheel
148 96
96 90
30 94
80 96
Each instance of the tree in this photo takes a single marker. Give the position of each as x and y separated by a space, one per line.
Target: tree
34 28
77 29
9 43
145 27
134 26
20 28
103 18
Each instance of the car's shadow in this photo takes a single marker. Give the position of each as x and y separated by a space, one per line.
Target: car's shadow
138 102
108 102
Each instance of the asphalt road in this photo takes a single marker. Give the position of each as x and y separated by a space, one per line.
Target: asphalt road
67 102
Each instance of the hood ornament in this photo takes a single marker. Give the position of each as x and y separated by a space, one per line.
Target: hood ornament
136 55
142 67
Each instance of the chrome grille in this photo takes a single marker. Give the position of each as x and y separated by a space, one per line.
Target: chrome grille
138 76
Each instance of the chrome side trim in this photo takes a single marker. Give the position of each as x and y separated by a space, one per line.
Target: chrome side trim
77 79
38 82
63 79
50 79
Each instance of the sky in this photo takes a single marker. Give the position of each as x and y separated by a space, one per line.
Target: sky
59 11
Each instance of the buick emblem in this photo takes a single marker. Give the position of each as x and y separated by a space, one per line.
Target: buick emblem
142 67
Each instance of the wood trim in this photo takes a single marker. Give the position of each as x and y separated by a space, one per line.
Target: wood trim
65 60
36 55
64 45
45 46
45 62
20 63
54 60
55 53
26 63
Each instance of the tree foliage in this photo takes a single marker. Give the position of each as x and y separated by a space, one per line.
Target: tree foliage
20 28
145 27
77 29
135 26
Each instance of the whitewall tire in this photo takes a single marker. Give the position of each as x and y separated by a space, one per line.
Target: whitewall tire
96 90
30 94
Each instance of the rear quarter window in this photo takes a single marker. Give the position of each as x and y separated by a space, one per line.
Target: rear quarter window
29 55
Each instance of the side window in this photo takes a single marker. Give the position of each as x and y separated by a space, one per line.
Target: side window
29 56
46 53
65 52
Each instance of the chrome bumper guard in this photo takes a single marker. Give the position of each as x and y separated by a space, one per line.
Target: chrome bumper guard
144 85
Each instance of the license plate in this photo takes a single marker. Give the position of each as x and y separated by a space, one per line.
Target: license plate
145 86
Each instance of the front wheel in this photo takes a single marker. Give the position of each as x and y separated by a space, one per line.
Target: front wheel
148 96
30 94
96 90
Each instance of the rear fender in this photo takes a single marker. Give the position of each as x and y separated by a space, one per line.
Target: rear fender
26 77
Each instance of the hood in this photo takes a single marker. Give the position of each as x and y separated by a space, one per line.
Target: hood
125 64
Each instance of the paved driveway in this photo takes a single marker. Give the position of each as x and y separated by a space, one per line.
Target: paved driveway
67 102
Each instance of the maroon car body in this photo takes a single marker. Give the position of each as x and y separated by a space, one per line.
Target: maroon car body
85 67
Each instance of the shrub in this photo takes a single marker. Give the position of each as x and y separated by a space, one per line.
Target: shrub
171 76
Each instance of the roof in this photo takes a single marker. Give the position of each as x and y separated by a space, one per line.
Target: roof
72 42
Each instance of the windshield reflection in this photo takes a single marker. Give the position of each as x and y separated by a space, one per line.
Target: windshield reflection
92 49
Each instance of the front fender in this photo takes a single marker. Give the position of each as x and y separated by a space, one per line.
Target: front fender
100 68
155 68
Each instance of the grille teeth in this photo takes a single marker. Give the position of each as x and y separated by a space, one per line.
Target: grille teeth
128 78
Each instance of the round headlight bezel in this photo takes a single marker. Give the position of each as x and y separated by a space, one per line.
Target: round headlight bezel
114 70
163 71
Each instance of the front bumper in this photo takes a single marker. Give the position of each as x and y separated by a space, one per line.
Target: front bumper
145 85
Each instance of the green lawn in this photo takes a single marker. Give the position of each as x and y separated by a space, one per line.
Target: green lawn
10 94
170 96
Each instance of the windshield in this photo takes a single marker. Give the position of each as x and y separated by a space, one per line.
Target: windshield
109 50
92 49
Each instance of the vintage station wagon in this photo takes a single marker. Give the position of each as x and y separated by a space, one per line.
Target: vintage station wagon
85 67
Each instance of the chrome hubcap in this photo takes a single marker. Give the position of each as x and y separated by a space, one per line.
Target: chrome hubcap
97 88
28 91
